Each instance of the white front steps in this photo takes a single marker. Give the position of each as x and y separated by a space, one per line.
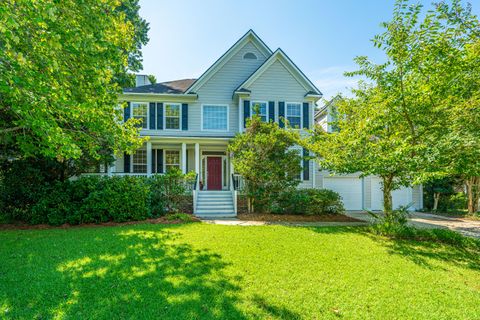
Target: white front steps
215 204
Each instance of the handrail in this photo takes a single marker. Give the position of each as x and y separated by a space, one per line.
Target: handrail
195 182
237 181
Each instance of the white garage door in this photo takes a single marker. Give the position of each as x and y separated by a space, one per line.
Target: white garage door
350 189
400 197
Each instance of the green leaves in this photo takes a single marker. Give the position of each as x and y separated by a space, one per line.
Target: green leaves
59 65
419 116
265 157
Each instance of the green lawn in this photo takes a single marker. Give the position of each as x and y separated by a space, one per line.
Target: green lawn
200 271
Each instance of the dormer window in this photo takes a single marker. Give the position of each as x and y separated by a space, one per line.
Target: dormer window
249 56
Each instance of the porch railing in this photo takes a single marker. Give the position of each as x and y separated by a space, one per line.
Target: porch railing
194 193
236 184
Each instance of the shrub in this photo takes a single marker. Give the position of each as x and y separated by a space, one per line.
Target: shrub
309 202
94 199
183 217
393 223
117 199
168 191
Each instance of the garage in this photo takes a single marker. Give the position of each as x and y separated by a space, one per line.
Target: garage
349 188
400 197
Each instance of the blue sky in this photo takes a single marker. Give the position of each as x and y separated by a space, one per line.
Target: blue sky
321 37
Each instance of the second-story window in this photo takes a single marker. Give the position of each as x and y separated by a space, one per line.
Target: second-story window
139 111
259 108
294 115
172 116
215 117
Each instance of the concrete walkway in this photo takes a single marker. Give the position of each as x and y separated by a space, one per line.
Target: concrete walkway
466 227
237 222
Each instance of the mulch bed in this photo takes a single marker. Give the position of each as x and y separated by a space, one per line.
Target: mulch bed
295 218
24 226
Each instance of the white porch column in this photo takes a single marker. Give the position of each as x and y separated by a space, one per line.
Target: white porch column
184 158
197 158
314 178
240 114
149 158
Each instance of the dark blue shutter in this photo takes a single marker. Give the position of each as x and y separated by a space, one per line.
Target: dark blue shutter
159 160
184 116
154 161
246 112
152 116
160 116
126 112
306 115
271 111
281 113
126 162
306 165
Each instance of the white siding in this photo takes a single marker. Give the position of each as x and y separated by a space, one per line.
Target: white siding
219 89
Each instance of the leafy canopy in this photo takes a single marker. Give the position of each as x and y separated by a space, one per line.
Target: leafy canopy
265 157
60 67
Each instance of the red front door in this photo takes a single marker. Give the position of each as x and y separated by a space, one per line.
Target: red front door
214 173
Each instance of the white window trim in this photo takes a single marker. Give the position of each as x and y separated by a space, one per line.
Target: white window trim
215 105
165 116
301 113
132 164
252 104
148 112
165 159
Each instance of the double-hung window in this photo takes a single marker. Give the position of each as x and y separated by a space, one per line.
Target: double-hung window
172 159
260 108
139 161
139 111
294 115
172 116
215 117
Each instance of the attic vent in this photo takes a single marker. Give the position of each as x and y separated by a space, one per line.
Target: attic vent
250 56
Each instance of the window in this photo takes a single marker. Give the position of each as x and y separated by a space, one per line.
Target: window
249 56
215 117
172 116
294 115
172 159
261 111
139 111
139 161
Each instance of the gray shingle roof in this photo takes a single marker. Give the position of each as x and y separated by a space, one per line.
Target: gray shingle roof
173 87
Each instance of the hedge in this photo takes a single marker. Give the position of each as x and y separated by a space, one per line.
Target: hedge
95 199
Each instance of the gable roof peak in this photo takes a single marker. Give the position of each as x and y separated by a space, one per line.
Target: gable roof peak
295 70
250 35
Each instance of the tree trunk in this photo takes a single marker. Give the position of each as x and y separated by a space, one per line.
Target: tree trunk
387 194
473 193
436 199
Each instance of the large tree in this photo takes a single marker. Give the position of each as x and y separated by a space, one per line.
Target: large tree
418 116
61 65
266 158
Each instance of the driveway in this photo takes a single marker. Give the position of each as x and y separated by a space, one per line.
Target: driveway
466 227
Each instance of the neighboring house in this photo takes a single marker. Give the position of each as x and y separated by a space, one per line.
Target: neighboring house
191 121
326 114
360 193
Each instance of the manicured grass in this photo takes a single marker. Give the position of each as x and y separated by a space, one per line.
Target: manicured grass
200 271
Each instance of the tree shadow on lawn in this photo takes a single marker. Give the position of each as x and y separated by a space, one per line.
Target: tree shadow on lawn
135 272
426 253
150 275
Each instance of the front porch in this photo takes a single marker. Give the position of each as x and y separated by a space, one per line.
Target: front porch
207 157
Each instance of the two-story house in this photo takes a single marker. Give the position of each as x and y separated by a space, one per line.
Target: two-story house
191 121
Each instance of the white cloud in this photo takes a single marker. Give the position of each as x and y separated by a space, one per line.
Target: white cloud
331 81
